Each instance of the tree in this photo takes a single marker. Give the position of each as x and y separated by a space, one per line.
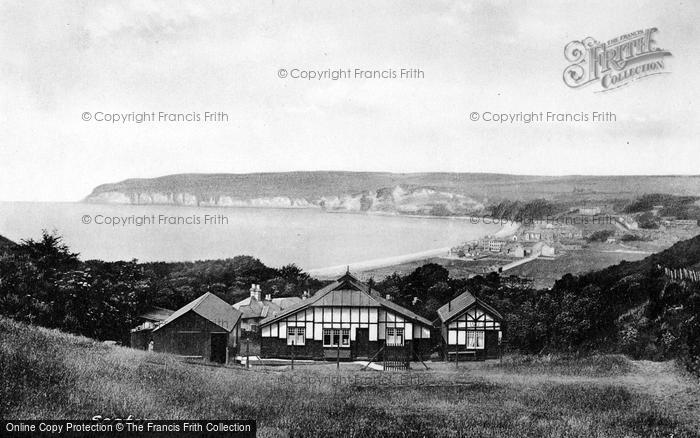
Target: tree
28 280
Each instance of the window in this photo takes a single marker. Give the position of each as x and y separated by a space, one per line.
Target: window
335 337
296 336
394 336
475 340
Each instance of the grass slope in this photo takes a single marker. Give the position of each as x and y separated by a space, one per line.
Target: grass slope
49 374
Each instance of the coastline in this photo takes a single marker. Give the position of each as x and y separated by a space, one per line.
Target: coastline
506 230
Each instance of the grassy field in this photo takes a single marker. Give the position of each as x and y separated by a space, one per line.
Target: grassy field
48 374
545 272
457 268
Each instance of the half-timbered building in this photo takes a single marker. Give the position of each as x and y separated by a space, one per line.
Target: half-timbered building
470 328
346 320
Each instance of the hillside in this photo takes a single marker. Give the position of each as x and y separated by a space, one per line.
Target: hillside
6 243
632 307
684 254
383 192
48 374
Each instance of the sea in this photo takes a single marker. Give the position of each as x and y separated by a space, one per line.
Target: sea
312 239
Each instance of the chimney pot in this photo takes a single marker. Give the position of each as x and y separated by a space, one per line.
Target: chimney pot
255 291
268 297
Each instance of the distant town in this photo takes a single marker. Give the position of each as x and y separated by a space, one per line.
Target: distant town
579 232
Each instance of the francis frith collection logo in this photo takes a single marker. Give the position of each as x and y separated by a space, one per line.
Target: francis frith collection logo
616 62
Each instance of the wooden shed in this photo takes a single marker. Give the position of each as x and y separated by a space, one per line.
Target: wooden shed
470 328
207 328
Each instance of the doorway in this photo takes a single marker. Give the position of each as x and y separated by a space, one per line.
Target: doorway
218 347
361 344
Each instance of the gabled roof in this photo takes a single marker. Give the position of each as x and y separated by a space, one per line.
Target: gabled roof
210 307
346 291
463 302
157 314
252 308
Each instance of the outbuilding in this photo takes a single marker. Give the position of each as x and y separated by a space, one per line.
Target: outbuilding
207 328
255 308
142 335
470 328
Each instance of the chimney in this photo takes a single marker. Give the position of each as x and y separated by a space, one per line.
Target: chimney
255 291
449 305
268 297
305 295
388 297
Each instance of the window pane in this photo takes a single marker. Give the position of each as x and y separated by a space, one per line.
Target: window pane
300 336
394 336
475 339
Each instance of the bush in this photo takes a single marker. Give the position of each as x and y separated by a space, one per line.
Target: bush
601 236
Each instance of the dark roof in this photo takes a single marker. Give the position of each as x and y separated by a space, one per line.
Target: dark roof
458 305
347 291
157 314
210 307
253 308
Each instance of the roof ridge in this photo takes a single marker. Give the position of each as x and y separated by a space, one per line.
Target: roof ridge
360 287
196 303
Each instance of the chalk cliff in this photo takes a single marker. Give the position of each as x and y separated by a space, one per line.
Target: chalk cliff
397 199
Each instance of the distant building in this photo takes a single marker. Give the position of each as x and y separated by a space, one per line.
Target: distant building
589 211
538 235
207 328
470 328
682 223
515 250
547 251
627 222
254 309
492 244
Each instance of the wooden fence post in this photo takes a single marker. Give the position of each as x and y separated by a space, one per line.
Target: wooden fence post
457 354
292 354
247 353
337 366
384 355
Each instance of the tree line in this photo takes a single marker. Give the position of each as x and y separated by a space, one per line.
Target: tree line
632 307
42 282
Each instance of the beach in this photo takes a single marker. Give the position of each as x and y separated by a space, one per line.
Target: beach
506 230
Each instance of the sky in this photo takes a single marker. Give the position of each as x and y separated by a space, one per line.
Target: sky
60 60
